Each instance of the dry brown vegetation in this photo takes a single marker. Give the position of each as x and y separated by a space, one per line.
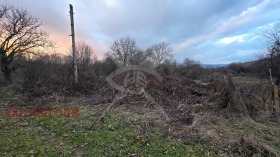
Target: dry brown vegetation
233 116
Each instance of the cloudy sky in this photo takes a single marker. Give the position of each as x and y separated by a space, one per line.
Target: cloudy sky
211 31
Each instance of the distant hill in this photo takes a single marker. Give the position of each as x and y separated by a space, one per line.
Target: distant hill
213 65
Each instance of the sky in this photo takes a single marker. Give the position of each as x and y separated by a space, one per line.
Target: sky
210 31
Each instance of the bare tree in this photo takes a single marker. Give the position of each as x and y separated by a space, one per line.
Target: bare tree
126 52
123 50
19 35
272 37
192 69
140 57
161 52
85 54
3 10
190 62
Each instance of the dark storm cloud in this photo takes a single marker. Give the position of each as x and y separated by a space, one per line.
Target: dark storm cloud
157 20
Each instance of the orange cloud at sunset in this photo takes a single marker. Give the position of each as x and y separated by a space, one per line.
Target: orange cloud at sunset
63 42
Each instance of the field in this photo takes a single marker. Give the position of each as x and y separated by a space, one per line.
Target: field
199 124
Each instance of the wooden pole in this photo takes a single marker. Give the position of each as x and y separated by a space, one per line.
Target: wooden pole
270 76
73 46
275 101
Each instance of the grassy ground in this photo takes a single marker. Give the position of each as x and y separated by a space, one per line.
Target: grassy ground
119 135
85 136
263 137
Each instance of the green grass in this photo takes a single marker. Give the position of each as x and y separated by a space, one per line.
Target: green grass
85 136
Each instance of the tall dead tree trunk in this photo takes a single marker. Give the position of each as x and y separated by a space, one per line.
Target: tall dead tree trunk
73 46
